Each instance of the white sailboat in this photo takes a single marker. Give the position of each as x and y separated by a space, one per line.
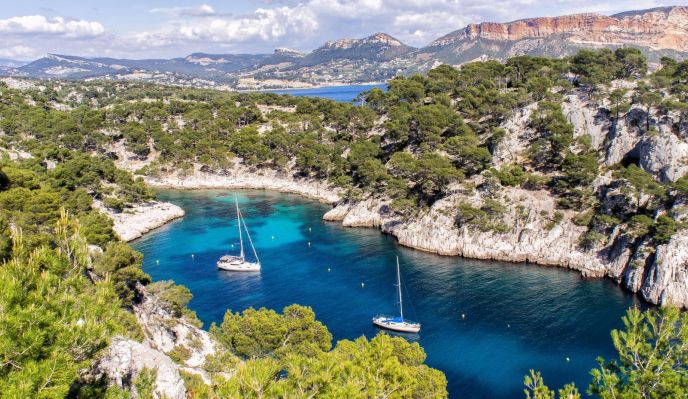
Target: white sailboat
397 323
239 263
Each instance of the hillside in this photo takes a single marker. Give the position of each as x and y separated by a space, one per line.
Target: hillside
658 32
579 163
493 161
377 47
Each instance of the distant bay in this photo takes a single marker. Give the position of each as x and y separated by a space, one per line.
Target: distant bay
336 93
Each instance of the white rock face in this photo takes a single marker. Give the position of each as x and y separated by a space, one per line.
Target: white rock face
586 119
244 178
664 155
125 360
517 137
165 332
667 277
532 238
134 222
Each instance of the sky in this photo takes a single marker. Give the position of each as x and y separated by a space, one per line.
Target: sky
30 29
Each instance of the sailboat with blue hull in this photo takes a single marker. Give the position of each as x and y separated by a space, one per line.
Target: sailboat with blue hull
397 323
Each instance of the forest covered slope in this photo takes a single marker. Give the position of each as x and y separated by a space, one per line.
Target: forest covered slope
577 162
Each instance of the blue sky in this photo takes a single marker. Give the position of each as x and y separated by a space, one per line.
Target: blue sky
147 29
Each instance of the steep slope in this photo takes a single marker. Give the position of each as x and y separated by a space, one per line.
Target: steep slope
658 32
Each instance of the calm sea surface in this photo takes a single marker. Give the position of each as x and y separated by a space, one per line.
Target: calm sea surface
517 317
337 93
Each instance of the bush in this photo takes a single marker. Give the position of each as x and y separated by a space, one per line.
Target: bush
489 217
591 239
583 218
180 354
114 203
175 296
640 225
511 175
664 228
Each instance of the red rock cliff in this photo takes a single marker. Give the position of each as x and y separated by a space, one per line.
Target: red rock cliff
658 28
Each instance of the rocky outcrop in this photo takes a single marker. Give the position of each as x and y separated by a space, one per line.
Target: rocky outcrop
666 281
125 359
534 236
166 336
656 28
134 222
242 177
437 231
664 155
167 333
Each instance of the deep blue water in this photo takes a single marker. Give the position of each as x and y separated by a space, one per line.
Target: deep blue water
337 93
517 317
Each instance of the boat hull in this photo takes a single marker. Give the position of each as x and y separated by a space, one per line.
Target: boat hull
396 325
236 264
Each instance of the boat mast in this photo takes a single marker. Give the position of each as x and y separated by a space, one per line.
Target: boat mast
250 241
401 306
241 240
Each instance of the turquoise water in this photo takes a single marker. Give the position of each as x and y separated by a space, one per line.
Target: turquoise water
337 93
517 317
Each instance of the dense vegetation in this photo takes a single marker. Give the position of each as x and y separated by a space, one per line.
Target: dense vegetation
424 139
62 300
652 361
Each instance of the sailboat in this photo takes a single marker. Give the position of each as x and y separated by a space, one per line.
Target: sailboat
397 323
239 263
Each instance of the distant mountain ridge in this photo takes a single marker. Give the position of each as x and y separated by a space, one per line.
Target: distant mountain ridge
657 32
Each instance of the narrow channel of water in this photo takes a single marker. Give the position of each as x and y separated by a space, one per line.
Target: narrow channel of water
516 317
337 93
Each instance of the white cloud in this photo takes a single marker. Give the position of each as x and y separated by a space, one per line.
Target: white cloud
38 24
204 10
18 52
264 24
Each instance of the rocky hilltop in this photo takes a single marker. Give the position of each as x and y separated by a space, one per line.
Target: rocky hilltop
658 30
378 47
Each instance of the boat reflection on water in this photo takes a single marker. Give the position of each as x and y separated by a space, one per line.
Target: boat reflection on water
411 337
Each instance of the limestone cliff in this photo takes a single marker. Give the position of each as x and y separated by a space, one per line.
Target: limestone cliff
659 273
658 30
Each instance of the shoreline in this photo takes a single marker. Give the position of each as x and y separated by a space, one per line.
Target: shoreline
436 233
320 86
133 223
270 180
